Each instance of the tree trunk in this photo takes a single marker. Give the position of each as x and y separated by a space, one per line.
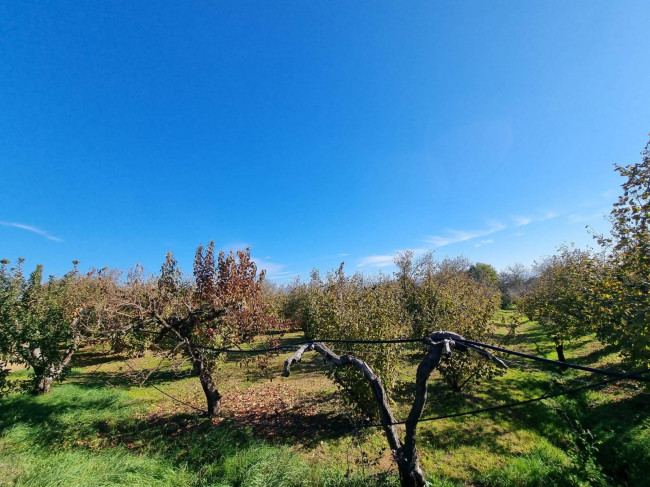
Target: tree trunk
405 454
44 385
408 467
559 348
47 375
212 395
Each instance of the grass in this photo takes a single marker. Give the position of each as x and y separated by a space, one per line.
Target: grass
101 429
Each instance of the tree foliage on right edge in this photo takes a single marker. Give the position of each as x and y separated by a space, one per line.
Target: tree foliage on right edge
624 291
577 292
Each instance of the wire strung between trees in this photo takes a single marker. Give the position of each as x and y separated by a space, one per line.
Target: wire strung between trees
291 347
506 406
617 377
612 373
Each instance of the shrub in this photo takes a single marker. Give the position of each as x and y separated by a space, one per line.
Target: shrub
349 307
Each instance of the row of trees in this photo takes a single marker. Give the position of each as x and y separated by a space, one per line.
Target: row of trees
43 323
222 306
225 304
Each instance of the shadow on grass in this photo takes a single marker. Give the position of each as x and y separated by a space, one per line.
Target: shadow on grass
442 400
596 355
85 413
72 417
93 358
125 378
623 428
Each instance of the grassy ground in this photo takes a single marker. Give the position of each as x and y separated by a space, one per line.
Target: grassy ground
101 429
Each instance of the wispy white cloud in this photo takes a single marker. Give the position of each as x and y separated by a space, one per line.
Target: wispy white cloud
235 246
451 237
273 270
484 242
343 254
376 261
520 221
456 236
32 229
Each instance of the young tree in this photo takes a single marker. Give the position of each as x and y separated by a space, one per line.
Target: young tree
294 304
221 308
44 323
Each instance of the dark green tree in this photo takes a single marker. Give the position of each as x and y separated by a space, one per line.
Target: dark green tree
484 273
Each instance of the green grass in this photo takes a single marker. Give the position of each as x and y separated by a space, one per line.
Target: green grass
80 436
101 429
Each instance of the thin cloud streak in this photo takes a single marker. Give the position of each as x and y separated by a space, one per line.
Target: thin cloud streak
520 221
484 242
273 270
32 229
453 237
376 261
457 236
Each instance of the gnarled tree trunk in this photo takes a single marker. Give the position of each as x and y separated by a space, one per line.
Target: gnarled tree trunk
406 453
212 395
46 374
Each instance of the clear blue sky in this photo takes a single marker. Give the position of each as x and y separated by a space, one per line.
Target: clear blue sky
314 132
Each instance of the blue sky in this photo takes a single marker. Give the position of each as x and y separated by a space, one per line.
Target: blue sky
314 132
